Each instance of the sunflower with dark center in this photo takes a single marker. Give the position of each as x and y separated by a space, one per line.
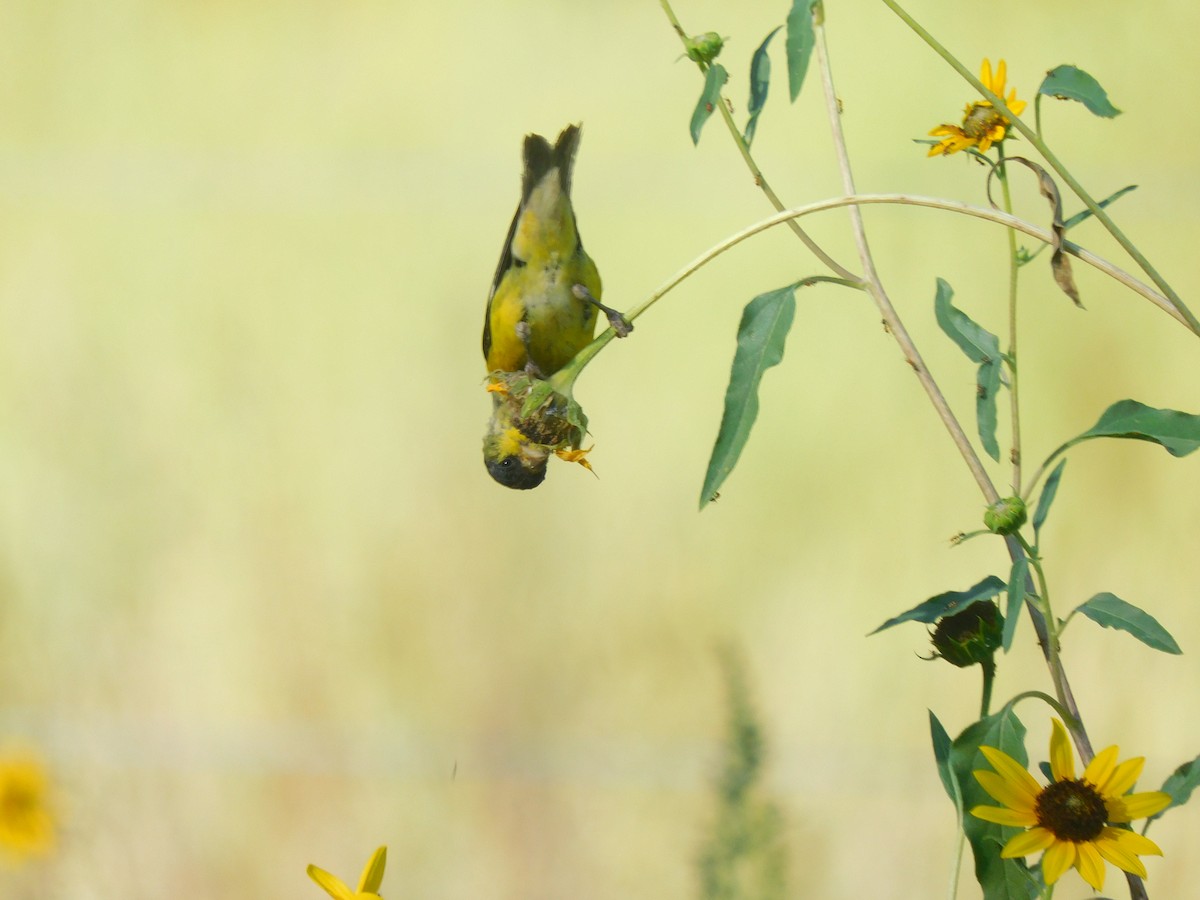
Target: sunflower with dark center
982 124
1077 821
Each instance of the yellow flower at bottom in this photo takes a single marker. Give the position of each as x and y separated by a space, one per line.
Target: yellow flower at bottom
1072 819
982 124
368 882
26 826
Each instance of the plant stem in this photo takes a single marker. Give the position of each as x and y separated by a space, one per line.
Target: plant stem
1045 628
755 171
957 870
890 317
1032 136
988 215
1013 270
989 680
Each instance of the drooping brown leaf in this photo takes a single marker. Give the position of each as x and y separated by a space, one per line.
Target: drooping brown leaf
1060 263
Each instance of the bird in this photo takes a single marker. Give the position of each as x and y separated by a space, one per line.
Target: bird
543 305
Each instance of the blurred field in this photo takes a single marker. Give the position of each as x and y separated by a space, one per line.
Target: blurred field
260 605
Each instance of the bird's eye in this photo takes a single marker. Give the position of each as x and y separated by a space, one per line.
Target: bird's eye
508 463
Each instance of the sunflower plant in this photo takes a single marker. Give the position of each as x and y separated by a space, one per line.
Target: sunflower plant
1080 822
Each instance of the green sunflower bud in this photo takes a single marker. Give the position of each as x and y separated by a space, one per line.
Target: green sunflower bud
1005 516
704 48
970 637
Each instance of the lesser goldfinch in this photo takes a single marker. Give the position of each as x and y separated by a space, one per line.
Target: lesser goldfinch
542 307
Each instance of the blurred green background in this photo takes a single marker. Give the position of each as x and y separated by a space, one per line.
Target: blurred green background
260 604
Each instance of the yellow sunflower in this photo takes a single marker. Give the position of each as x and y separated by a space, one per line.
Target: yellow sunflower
26 824
1073 819
982 124
368 882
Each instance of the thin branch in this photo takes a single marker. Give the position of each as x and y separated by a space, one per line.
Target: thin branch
995 216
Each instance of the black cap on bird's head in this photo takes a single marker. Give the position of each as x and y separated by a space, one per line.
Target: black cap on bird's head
513 458
512 473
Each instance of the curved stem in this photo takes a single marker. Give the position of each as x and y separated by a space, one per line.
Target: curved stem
1064 712
1034 138
568 374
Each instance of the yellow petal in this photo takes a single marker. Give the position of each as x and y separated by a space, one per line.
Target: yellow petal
1132 842
372 874
1058 857
331 884
1006 792
997 84
1062 758
576 456
1123 777
1089 865
985 73
1001 816
1136 806
1031 841
1101 766
945 129
1014 773
1120 856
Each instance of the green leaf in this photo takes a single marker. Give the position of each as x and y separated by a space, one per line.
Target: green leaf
1178 432
947 604
761 336
1016 597
981 346
1001 879
1110 611
987 386
1180 784
1028 256
1085 214
714 79
800 43
1049 489
941 756
760 80
977 342
1071 83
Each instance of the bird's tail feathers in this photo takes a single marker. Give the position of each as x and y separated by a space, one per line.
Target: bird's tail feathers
540 158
